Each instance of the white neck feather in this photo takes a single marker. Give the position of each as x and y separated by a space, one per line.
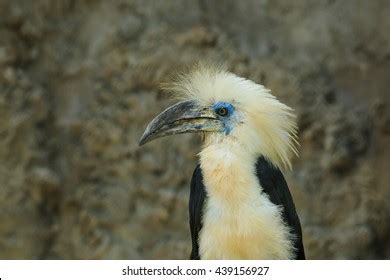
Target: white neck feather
239 221
229 171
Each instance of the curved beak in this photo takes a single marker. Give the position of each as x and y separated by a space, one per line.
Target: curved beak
183 117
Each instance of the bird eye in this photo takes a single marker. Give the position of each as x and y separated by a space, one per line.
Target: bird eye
222 111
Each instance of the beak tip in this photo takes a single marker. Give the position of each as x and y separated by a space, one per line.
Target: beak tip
146 137
142 141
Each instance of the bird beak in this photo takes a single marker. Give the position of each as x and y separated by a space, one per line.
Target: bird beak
183 117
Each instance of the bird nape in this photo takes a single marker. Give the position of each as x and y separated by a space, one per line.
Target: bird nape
240 206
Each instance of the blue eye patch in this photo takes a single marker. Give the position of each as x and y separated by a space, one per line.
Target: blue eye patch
223 109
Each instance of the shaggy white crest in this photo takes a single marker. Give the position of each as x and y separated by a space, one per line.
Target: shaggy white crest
265 127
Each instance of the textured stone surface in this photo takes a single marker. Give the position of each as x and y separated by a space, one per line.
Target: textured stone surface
79 82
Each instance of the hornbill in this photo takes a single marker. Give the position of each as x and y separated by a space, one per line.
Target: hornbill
240 206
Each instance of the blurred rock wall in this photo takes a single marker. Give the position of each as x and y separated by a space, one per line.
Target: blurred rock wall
79 82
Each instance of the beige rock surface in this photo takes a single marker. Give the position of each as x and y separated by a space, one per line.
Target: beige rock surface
79 82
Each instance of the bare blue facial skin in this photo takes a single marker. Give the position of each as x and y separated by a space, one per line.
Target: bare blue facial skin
228 120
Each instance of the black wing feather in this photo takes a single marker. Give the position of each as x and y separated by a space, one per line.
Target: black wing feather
274 185
197 197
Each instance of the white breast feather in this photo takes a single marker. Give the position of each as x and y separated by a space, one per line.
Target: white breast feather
239 222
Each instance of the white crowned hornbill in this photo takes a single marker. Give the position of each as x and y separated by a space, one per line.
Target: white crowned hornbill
240 205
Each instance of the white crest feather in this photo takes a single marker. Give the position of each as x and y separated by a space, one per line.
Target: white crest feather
268 127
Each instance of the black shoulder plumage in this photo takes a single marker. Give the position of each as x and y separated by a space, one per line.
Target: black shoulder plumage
273 184
197 197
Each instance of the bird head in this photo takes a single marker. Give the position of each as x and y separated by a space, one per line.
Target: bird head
230 111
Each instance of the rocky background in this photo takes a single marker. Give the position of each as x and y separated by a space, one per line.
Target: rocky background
79 81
